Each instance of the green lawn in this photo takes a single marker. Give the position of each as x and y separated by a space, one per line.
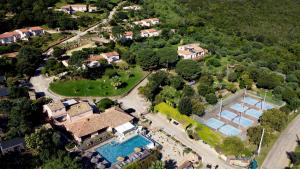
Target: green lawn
211 137
100 87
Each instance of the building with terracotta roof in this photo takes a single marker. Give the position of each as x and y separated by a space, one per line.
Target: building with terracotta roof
72 8
9 37
149 33
128 35
191 51
79 110
37 31
147 22
111 56
55 109
25 33
94 124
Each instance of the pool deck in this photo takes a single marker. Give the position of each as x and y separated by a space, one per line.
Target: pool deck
131 158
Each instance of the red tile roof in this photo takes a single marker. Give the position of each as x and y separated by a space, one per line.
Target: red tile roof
111 54
24 30
129 33
36 28
8 34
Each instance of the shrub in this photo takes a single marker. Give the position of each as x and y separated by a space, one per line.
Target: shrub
105 104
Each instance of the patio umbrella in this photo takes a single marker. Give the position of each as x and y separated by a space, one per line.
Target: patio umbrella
100 166
137 149
94 160
120 158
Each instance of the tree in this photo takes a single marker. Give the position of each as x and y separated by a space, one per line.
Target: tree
254 134
43 141
160 78
204 89
63 161
167 57
116 82
275 119
157 165
170 95
188 91
198 107
188 69
147 59
269 80
78 57
232 77
104 104
245 81
28 60
213 62
211 98
176 82
21 118
58 52
233 146
185 106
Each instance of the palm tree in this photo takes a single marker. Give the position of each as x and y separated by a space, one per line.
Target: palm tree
157 165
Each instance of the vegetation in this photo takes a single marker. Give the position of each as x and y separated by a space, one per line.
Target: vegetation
99 87
234 146
205 133
104 104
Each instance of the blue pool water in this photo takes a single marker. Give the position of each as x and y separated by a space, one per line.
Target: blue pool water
111 151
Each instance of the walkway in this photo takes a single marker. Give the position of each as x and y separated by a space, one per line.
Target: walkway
208 154
287 142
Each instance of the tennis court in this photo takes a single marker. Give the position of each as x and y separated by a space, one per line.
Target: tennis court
228 115
239 107
254 113
264 106
229 130
243 121
250 101
214 123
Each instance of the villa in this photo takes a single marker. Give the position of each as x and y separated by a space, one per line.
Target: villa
147 22
111 56
150 33
79 119
191 51
23 34
71 9
128 35
112 120
9 37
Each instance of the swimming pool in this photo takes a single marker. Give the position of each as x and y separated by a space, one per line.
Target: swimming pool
111 151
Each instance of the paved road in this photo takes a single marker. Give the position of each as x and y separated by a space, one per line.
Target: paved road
41 83
104 21
287 142
208 154
134 100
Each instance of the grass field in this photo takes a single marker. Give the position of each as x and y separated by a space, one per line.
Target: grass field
99 87
205 133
